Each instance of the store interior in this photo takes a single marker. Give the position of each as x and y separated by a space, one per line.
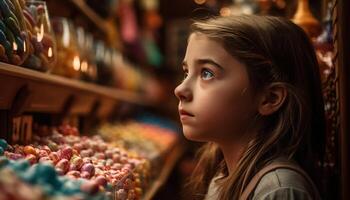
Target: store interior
87 104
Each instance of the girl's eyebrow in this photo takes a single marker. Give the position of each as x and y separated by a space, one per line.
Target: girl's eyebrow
204 61
209 61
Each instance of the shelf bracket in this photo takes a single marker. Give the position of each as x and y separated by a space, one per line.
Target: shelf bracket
91 117
20 101
66 109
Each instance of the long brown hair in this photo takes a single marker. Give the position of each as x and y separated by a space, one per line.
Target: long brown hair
275 51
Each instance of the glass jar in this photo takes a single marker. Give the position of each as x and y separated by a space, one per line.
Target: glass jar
14 37
42 46
105 72
88 68
68 56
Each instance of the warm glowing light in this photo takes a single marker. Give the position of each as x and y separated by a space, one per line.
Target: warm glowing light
15 47
225 11
92 71
200 2
76 63
84 66
49 52
25 46
40 34
65 34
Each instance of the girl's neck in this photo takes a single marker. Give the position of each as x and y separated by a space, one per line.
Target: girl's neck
233 151
232 154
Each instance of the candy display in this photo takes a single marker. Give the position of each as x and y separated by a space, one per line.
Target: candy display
41 178
20 180
147 140
14 38
89 158
42 47
28 39
121 162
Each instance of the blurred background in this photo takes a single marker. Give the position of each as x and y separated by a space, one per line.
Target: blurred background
95 78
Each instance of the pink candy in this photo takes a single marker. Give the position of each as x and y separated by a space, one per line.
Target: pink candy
63 165
78 146
43 153
13 156
101 180
89 187
54 157
86 153
86 175
88 167
66 153
46 148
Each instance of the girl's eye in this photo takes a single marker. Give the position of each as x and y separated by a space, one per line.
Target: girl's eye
185 74
207 74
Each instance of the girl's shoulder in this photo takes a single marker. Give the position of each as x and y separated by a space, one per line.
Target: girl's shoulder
285 183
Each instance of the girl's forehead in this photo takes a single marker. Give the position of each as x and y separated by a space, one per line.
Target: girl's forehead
201 46
198 36
204 37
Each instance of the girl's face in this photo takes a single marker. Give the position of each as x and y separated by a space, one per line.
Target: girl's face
216 103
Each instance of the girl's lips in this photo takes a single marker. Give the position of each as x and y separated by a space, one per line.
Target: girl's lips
183 112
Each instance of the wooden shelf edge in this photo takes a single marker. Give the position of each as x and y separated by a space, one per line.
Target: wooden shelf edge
32 75
92 15
170 162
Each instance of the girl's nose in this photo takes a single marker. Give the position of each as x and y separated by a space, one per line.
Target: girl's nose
183 93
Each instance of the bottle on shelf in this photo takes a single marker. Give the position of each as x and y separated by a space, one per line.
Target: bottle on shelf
69 61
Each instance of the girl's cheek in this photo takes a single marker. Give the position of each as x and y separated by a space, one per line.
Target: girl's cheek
229 108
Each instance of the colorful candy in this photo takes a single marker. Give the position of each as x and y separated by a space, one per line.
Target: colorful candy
63 165
88 167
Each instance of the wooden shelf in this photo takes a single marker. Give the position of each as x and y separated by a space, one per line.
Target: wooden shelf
53 94
91 14
169 164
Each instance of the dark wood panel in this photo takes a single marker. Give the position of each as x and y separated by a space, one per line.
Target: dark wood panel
344 82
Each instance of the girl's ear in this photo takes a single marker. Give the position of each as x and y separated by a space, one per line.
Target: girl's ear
272 99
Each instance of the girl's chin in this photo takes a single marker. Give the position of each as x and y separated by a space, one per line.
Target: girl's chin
194 136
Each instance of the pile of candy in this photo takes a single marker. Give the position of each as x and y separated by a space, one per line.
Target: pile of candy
63 163
92 159
147 140
21 180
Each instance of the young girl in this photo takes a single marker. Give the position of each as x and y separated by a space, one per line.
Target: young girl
252 92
